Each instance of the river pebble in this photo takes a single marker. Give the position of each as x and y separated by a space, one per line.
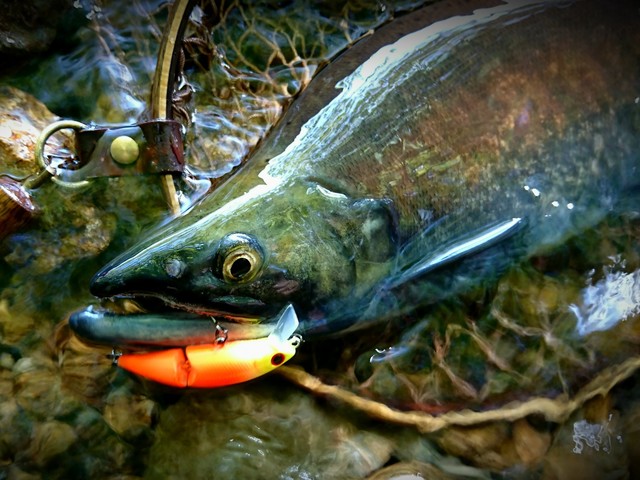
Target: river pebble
130 416
275 430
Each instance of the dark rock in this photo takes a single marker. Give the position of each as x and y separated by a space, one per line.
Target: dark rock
30 27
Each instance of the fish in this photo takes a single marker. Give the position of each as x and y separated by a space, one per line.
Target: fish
218 364
447 147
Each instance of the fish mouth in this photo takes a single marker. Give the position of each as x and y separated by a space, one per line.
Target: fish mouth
234 308
143 321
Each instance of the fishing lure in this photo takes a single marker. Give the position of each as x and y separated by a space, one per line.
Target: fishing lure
217 365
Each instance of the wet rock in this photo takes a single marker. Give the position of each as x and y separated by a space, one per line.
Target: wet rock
486 446
80 446
50 439
124 477
15 430
86 375
411 448
86 371
411 471
272 429
6 384
30 27
588 447
530 444
6 360
22 118
631 438
15 473
14 325
73 232
130 416
91 427
99 452
599 409
362 452
38 389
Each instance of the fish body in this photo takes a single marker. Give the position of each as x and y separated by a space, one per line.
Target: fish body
447 153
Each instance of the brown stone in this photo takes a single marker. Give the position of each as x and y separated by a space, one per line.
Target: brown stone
16 206
485 446
129 415
530 444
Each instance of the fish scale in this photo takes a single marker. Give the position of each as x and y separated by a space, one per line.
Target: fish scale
477 122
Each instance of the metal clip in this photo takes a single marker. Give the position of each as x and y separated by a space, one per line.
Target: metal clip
146 148
114 356
296 340
153 147
221 332
50 170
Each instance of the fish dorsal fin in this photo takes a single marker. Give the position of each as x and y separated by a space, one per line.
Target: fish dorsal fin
478 241
286 326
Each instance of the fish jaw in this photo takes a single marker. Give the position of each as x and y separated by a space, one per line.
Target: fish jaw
168 274
164 329
182 279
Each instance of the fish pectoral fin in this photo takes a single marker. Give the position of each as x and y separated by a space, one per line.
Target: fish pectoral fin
454 251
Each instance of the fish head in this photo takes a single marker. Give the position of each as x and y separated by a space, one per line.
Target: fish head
294 242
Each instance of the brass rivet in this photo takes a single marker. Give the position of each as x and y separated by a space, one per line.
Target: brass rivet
124 150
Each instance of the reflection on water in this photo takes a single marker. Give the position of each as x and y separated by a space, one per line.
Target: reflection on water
103 73
613 299
547 325
593 435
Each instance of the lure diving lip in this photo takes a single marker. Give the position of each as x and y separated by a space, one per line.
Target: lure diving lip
218 365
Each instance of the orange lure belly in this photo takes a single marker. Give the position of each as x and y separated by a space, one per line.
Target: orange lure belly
210 365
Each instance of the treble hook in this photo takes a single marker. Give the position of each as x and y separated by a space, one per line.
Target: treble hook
221 332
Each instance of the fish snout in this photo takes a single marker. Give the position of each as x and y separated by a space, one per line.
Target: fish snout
105 284
129 278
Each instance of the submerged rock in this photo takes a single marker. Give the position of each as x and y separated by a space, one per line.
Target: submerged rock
131 416
589 446
15 430
411 471
71 417
22 117
50 439
272 429
30 27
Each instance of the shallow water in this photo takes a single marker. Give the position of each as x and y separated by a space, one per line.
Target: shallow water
65 412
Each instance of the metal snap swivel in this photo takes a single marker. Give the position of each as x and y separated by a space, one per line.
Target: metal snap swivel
221 332
114 356
296 340
41 143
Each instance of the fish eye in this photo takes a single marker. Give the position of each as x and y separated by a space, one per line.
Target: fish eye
239 258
